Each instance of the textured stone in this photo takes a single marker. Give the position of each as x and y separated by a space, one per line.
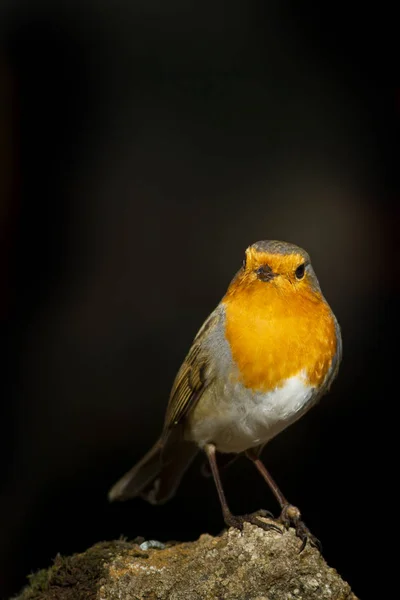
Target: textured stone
250 565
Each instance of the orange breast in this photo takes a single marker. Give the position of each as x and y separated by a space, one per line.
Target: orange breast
275 333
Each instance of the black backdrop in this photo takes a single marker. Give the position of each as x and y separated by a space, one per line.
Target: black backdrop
143 147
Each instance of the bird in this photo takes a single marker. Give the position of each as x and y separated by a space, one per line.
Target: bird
266 355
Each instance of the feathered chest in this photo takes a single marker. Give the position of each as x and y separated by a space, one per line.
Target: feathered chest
272 341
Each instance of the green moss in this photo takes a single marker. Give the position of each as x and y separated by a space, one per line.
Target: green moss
39 582
75 577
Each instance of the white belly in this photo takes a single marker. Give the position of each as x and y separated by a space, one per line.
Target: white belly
243 419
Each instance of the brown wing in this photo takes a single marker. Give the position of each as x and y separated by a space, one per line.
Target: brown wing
193 377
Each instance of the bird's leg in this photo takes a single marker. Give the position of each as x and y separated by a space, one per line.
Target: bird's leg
230 519
290 515
206 470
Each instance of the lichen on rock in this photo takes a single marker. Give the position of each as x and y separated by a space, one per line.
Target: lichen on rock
249 565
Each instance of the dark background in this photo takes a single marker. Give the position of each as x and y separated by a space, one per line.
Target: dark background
143 147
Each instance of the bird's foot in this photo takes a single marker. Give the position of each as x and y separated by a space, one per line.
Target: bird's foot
254 519
291 515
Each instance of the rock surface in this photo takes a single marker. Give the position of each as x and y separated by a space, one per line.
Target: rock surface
250 565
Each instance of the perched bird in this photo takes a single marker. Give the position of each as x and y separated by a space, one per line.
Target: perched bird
261 360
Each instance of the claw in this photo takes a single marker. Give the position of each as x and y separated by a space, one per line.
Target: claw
291 515
254 519
314 542
303 545
262 524
306 536
264 513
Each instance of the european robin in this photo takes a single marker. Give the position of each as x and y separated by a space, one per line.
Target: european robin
261 360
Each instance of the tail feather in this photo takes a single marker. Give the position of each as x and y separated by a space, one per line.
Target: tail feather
140 476
154 478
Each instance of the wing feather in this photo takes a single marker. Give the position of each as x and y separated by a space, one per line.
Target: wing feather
193 377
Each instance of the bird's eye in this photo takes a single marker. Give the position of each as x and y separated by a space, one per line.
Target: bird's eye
299 272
